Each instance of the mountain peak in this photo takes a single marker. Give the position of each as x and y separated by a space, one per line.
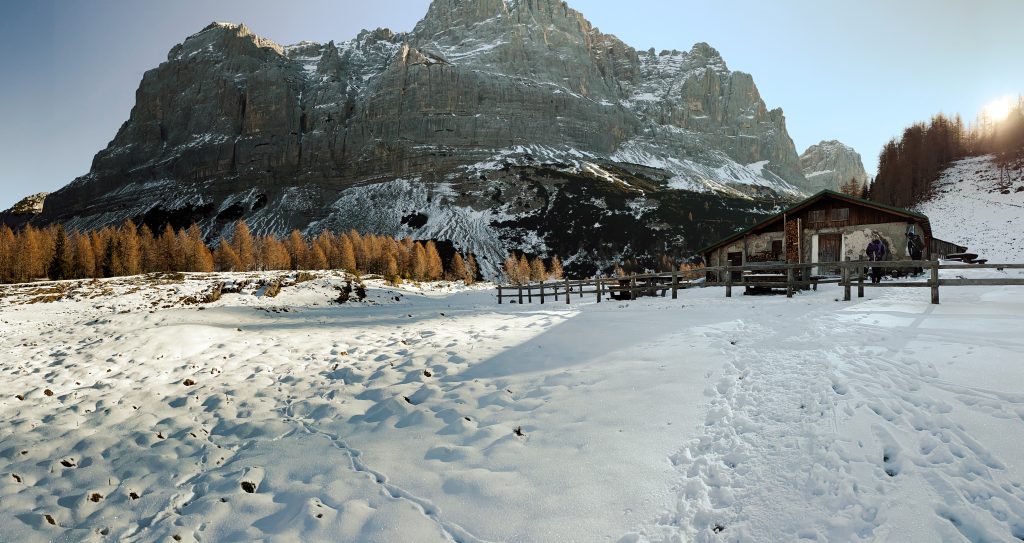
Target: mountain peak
223 33
830 163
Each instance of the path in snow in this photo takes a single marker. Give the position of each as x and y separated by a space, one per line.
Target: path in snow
891 419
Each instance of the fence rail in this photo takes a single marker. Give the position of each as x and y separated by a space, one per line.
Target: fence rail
761 275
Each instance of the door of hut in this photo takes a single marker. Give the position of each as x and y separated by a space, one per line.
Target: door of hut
829 249
736 259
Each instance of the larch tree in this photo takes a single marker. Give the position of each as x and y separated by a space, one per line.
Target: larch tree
225 257
130 249
98 246
435 267
346 254
556 268
471 270
85 259
317 258
169 250
457 269
537 270
28 259
511 268
149 255
277 257
242 243
297 250
8 248
524 269
391 270
196 254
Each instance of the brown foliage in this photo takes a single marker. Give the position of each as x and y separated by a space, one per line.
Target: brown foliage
129 250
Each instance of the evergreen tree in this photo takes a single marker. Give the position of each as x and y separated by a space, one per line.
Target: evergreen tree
110 258
62 264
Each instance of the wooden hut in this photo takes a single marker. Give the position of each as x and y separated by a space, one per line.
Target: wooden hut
827 227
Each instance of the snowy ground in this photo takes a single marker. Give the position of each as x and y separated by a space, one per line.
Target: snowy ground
129 414
978 205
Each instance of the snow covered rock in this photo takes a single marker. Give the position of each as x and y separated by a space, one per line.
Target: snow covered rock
829 164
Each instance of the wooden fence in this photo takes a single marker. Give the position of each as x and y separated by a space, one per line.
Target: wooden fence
769 275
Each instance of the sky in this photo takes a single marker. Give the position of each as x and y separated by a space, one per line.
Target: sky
859 72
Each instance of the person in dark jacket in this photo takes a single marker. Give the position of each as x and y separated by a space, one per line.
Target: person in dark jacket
876 253
914 249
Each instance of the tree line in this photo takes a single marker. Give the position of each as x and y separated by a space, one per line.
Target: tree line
56 253
909 166
522 270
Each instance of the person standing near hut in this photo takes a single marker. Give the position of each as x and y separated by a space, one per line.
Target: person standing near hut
876 253
914 248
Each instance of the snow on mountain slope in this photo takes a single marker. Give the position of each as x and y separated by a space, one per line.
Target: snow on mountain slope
430 413
977 204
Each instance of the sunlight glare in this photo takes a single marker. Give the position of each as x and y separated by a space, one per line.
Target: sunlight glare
998 109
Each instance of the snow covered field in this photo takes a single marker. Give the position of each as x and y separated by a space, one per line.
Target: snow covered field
977 205
131 413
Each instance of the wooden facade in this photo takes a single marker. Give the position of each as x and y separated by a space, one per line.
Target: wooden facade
827 227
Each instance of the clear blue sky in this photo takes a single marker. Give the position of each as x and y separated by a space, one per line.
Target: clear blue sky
857 71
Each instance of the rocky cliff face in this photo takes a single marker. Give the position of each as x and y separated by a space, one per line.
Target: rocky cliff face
24 210
830 164
482 120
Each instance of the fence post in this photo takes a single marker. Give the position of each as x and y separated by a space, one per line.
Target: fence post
675 284
542 293
632 287
846 279
860 281
728 283
499 294
935 281
567 290
789 282
529 293
597 279
520 294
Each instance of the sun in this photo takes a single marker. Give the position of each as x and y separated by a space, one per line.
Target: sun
998 109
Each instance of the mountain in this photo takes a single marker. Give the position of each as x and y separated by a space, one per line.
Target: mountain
494 124
829 164
24 210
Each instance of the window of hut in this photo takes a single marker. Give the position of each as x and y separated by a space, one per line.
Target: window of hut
840 214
